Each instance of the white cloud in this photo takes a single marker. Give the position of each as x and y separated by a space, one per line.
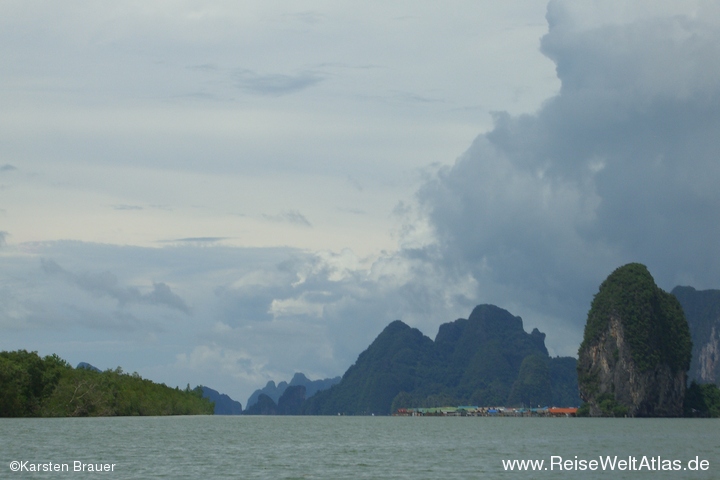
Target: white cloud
299 306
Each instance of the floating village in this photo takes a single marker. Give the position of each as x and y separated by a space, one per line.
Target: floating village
473 411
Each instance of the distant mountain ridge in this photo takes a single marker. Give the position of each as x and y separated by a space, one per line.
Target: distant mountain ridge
224 405
289 403
274 392
486 359
87 366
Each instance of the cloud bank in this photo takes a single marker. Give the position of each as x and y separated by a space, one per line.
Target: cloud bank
621 165
106 284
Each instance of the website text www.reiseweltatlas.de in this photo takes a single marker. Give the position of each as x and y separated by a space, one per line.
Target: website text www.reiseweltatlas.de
609 463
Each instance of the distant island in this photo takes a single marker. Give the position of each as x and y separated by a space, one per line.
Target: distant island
634 359
224 405
636 348
257 406
640 347
34 386
486 359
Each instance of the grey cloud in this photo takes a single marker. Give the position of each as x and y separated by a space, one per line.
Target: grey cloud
410 97
127 207
162 295
285 308
3 238
622 165
251 299
290 216
203 97
309 17
354 211
197 240
315 312
8 168
276 84
245 305
355 183
205 67
64 315
106 284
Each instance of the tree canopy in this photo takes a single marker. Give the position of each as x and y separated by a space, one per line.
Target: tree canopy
653 320
34 386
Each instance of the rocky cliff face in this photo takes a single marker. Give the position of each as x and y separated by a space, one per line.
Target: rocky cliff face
708 359
224 405
264 406
636 349
702 310
292 400
657 392
486 359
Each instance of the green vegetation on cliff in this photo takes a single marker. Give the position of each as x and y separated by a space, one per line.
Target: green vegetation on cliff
395 362
486 359
702 400
653 320
34 386
609 407
636 348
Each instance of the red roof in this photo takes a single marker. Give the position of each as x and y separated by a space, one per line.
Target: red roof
562 411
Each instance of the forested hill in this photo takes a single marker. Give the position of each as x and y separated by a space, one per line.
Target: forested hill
487 359
636 348
34 386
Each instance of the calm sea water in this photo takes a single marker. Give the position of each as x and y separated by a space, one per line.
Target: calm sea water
354 447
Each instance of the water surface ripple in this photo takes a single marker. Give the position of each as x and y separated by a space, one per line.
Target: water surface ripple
353 447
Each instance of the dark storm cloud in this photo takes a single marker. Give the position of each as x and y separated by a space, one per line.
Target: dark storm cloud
622 165
106 284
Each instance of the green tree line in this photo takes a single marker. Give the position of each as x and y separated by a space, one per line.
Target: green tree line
34 386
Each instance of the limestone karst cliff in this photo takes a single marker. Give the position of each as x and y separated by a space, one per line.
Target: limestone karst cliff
702 311
636 348
485 359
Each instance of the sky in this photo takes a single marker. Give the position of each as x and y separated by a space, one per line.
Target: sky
226 193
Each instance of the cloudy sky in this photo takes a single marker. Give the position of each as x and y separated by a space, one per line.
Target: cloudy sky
225 193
